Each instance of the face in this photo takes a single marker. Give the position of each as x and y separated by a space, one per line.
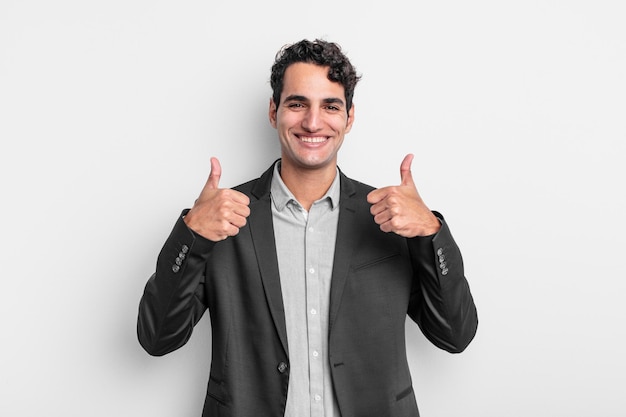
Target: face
311 118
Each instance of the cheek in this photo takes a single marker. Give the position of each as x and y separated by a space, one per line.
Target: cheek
341 126
286 120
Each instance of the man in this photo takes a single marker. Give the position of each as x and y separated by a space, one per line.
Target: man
307 274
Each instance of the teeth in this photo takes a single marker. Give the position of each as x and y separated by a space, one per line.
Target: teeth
313 140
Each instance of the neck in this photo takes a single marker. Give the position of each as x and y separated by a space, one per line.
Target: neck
307 186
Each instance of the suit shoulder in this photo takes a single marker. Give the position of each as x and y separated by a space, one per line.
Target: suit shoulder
258 187
362 187
357 187
246 187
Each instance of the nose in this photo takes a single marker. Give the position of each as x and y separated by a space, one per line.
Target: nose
312 120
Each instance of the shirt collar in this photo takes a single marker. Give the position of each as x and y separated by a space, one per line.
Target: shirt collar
281 194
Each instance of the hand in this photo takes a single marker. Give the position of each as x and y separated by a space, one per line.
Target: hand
218 212
400 208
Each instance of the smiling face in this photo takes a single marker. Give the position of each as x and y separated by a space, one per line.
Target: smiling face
311 118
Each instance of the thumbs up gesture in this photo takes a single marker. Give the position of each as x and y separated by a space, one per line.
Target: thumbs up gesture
218 212
400 208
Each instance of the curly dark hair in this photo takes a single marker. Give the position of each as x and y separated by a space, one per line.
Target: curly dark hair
319 52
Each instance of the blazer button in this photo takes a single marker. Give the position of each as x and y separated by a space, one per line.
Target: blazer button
282 367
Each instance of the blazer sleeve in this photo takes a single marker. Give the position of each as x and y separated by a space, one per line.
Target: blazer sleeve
173 298
441 302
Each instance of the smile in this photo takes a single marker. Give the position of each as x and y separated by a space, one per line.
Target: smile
317 139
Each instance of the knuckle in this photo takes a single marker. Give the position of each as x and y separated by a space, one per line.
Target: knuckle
224 210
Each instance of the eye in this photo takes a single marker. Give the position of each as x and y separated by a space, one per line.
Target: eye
295 105
332 108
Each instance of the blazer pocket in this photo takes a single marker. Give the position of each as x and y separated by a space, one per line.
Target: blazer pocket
404 393
374 262
216 391
405 404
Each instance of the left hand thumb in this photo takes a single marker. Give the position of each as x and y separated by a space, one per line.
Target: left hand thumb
405 170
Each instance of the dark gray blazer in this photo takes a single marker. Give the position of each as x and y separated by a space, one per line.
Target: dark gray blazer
378 278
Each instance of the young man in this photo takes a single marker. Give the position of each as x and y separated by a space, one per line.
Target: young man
308 275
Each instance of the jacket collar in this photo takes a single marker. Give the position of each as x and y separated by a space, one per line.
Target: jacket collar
263 186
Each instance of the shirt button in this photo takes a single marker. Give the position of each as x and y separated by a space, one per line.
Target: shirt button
318 398
313 311
312 270
311 229
315 353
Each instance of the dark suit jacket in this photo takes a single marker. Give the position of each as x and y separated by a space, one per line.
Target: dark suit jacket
378 278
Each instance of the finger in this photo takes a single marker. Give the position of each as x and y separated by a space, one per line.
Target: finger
382 217
215 174
239 197
377 208
377 195
405 170
229 230
241 210
237 220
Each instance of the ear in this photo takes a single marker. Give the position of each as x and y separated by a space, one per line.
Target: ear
350 119
272 112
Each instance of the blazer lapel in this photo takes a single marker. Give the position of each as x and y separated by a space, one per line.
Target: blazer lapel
262 231
347 238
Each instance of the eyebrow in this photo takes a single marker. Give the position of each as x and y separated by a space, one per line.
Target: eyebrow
330 100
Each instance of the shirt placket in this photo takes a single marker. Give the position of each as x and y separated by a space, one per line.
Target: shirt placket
314 325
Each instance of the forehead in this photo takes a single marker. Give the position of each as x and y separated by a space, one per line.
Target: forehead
310 80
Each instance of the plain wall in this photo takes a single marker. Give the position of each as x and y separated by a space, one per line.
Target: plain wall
515 110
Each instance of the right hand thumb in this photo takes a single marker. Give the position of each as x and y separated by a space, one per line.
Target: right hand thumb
216 172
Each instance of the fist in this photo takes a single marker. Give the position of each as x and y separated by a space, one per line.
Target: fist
400 209
218 212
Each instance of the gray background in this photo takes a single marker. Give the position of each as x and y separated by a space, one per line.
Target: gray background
110 111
